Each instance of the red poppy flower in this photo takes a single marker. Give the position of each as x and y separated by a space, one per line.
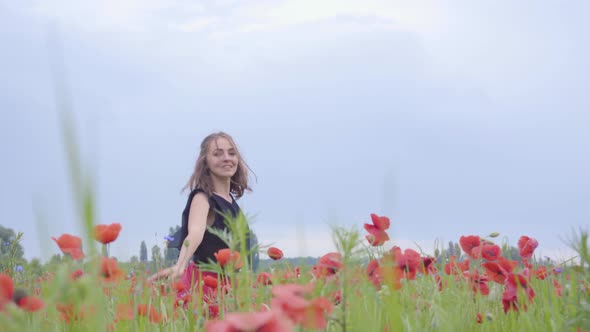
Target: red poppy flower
153 314
30 303
490 252
275 253
374 273
210 281
428 266
254 321
377 235
454 267
541 272
479 318
328 265
514 283
109 270
290 300
336 297
124 312
107 233
557 287
9 294
478 282
407 262
77 274
381 223
227 256
70 245
179 286
495 272
264 278
526 246
468 243
6 290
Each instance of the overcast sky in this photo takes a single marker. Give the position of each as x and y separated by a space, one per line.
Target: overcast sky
452 118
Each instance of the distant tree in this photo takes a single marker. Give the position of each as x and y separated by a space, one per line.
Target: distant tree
53 262
451 249
156 257
10 244
511 252
34 268
134 260
143 252
171 254
11 251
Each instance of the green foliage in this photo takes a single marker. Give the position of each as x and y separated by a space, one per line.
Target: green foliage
157 259
11 251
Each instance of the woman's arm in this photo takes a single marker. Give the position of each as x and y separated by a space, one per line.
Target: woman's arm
197 223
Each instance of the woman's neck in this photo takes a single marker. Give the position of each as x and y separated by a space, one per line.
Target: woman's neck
221 186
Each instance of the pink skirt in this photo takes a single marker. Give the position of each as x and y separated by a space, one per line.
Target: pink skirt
192 280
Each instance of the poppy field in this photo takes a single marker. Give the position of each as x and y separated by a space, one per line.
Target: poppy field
366 285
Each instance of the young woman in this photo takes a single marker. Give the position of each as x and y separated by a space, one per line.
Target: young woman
219 178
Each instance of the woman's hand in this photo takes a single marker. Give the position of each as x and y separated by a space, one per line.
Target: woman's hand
175 273
172 273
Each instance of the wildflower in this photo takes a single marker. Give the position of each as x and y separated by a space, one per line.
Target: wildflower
264 278
77 274
153 314
70 245
18 268
336 297
124 312
6 290
210 281
29 303
19 297
495 272
275 253
478 282
169 238
374 273
526 246
490 252
252 321
557 287
227 256
454 267
514 282
428 266
407 262
107 233
381 223
468 243
109 271
377 235
328 265
289 299
541 272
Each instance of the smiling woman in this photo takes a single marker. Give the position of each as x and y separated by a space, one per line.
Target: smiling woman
220 177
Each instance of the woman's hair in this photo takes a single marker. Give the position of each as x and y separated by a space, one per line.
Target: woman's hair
201 177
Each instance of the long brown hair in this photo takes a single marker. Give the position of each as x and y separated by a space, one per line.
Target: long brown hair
201 177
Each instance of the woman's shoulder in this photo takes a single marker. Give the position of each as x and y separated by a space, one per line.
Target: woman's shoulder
197 195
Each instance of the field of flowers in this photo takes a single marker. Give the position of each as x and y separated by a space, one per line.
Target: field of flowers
363 286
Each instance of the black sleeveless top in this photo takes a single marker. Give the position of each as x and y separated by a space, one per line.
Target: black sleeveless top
211 243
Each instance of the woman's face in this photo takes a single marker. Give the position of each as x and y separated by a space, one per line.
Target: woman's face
222 158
